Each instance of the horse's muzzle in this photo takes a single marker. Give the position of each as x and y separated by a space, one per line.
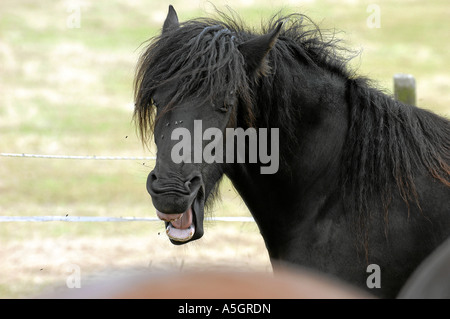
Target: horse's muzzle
173 195
179 203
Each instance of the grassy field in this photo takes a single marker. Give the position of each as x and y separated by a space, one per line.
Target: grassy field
67 89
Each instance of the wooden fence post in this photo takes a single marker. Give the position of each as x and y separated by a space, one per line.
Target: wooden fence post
405 88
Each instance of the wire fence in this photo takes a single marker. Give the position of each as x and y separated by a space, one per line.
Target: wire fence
68 218
108 219
79 157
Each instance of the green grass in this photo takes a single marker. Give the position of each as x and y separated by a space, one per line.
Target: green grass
69 91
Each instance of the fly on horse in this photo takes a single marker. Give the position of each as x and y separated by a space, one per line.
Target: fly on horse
362 178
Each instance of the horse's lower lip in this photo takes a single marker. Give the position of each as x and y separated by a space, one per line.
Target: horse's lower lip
178 234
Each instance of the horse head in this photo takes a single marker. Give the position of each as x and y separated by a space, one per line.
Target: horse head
192 83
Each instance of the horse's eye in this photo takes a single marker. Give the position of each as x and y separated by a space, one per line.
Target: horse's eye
224 109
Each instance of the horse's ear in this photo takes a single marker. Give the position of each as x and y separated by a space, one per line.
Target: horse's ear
171 20
256 49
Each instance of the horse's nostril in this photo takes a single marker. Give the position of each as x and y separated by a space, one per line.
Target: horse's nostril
193 183
174 184
150 181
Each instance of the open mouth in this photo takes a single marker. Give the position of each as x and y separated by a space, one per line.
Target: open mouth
181 228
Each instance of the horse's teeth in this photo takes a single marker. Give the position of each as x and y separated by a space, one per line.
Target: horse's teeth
174 219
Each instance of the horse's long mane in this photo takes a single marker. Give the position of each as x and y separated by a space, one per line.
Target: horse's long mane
201 57
389 145
387 142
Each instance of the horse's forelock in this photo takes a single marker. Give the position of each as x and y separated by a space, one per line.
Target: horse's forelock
203 59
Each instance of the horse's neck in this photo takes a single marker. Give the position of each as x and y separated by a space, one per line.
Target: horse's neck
309 163
317 118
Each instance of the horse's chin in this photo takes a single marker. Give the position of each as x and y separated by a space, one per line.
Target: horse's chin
185 227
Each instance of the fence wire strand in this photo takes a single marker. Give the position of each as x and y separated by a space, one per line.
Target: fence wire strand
79 157
97 218
108 219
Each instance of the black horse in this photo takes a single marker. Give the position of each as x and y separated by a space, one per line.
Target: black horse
362 179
